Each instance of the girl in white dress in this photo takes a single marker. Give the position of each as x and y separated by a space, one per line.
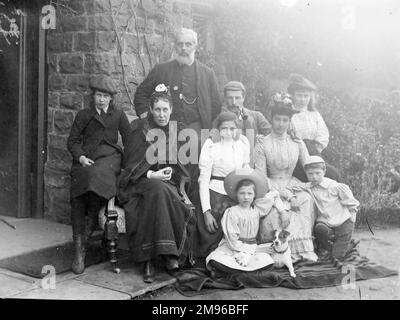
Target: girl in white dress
238 249
307 124
218 158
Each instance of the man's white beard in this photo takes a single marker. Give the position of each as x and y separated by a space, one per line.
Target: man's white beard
188 60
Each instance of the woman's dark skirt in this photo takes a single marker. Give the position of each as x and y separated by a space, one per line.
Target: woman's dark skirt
207 241
157 220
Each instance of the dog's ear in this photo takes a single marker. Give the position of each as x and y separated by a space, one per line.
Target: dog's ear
285 233
273 233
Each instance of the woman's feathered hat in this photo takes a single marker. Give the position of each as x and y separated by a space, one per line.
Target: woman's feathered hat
283 105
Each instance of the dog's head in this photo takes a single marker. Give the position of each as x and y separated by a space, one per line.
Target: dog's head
280 237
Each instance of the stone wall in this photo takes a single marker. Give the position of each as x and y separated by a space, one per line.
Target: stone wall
83 44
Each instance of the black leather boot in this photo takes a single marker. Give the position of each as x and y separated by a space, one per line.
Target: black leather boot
171 263
148 272
78 265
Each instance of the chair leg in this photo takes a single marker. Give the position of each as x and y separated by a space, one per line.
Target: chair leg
111 237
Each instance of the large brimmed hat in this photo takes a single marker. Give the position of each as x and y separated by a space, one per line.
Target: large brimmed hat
298 82
232 180
103 83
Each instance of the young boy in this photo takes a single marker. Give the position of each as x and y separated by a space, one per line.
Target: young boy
336 206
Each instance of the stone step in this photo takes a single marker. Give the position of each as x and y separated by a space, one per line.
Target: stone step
35 246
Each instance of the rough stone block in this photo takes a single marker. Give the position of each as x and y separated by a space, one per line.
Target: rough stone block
58 141
74 23
60 159
71 100
139 24
73 7
56 177
57 42
155 42
71 63
100 63
56 82
100 23
53 100
131 43
63 121
85 41
106 41
97 6
78 83
182 7
50 126
57 207
53 63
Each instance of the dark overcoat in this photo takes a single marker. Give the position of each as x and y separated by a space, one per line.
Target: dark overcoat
97 139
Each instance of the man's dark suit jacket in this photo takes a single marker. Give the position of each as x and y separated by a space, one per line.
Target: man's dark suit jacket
209 98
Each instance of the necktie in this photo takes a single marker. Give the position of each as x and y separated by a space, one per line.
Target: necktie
103 114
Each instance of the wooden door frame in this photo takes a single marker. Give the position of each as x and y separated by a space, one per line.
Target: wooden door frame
32 106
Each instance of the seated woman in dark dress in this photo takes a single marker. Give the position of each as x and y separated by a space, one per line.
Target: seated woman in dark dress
157 209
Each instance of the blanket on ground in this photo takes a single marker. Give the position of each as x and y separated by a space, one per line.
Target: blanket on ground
325 273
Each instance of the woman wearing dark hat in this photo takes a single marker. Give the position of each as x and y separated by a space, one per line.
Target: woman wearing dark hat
276 155
93 144
308 123
159 216
218 158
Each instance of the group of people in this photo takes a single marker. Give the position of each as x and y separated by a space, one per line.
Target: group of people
252 176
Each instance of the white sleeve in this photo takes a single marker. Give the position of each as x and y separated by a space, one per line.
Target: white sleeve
260 160
303 152
230 227
246 151
322 133
205 166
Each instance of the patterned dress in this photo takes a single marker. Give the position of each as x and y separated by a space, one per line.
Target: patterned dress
277 157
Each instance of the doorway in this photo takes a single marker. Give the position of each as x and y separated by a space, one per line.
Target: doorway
22 125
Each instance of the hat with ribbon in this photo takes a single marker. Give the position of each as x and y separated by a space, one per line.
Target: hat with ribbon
257 177
298 82
283 105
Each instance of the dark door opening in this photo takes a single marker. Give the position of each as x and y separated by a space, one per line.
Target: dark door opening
22 112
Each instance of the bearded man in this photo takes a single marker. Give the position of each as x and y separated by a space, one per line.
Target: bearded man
193 86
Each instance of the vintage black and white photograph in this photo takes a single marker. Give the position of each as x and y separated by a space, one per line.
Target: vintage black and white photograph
211 150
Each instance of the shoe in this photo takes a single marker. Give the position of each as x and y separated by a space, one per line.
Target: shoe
78 265
148 272
171 263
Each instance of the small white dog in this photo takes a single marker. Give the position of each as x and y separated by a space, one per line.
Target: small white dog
281 251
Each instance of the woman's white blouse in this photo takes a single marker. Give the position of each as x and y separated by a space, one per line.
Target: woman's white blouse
310 125
219 159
